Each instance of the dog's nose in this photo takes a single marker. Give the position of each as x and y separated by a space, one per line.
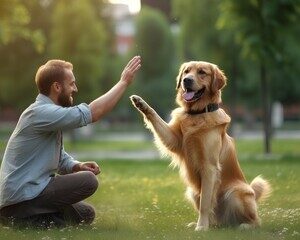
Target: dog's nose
187 81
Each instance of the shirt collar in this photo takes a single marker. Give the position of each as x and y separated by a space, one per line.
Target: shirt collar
43 98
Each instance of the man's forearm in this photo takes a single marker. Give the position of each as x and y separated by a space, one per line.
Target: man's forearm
66 163
102 105
105 103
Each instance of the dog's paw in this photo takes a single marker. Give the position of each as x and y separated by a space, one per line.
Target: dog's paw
201 228
139 103
191 225
198 228
246 226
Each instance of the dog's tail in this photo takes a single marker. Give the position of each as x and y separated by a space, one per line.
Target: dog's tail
261 187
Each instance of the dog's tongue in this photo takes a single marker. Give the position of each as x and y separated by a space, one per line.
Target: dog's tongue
188 95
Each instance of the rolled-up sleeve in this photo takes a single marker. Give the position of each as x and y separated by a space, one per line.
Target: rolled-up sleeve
66 163
52 117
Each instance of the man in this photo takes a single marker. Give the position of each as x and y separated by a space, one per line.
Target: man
31 191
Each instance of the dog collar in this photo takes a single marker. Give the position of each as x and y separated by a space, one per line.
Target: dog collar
209 108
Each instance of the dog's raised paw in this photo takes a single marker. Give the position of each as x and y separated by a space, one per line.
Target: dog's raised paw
139 103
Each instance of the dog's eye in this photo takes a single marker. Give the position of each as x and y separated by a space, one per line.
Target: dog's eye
186 70
200 71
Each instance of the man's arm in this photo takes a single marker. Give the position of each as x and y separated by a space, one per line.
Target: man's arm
66 163
105 103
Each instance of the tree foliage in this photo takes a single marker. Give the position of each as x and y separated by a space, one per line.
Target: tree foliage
70 30
266 32
153 41
226 32
79 36
19 52
15 23
199 39
235 34
258 27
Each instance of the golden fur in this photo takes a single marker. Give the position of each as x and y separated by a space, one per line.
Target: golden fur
205 154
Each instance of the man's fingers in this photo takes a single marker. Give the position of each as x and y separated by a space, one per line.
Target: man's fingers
137 67
88 168
134 67
91 166
96 169
133 62
131 68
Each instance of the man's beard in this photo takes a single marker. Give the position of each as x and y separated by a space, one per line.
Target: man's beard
65 100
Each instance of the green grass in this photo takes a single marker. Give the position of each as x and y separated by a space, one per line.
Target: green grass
145 200
278 146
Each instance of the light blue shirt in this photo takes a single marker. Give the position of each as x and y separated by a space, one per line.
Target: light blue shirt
35 151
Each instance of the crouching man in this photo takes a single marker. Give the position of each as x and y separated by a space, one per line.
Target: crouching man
40 184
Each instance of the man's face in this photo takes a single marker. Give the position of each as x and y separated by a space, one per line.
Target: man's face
65 98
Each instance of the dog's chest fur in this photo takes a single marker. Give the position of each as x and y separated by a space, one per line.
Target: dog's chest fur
196 128
201 142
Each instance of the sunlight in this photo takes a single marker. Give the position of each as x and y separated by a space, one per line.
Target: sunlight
133 5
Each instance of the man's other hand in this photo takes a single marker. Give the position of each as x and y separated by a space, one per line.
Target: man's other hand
87 166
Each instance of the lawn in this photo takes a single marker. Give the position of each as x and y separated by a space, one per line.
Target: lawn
145 199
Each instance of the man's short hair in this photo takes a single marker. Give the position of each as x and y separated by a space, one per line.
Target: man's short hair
52 71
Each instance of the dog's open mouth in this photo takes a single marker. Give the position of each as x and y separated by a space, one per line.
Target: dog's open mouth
190 95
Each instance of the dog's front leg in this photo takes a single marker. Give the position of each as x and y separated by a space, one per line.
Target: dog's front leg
207 200
158 126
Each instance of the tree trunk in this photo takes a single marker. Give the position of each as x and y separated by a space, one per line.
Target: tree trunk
234 90
266 108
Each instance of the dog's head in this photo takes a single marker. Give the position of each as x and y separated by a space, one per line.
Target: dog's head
199 84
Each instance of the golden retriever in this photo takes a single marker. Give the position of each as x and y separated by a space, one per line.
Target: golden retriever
197 141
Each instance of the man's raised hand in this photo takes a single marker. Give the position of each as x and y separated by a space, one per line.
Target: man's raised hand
130 70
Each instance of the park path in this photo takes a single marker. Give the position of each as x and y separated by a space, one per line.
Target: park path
135 155
153 154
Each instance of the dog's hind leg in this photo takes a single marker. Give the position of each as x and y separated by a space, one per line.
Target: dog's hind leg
239 208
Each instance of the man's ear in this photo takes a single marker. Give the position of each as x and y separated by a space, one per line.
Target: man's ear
219 79
56 87
179 76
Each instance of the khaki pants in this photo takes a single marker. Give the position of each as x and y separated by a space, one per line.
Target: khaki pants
59 204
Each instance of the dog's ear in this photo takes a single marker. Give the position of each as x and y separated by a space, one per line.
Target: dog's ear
179 76
219 79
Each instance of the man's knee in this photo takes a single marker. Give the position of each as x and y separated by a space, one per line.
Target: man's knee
90 182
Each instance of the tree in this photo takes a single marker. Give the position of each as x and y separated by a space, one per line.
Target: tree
14 23
22 45
153 41
79 36
258 27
